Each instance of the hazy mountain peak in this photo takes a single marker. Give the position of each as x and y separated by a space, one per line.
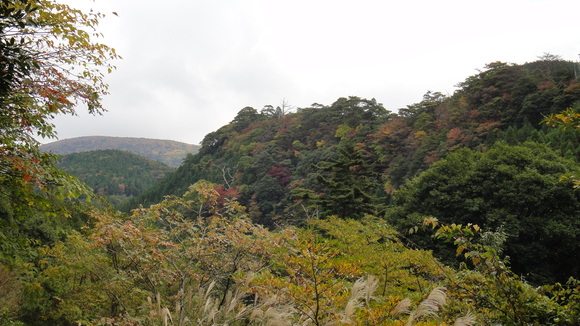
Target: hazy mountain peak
169 152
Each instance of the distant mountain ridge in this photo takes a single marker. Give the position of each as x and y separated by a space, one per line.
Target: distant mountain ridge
169 152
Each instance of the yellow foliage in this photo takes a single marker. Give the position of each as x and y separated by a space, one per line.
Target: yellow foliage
419 134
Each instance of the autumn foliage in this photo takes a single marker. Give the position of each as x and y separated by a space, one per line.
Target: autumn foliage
340 214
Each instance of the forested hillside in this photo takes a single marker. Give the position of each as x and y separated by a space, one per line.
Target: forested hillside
262 149
457 210
347 159
117 175
169 152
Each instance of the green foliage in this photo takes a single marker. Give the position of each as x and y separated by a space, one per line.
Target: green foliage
29 220
567 295
114 172
496 104
499 295
348 182
314 281
568 118
61 286
10 299
50 62
198 259
312 176
376 248
42 42
6 320
267 156
518 188
563 142
519 93
243 119
181 245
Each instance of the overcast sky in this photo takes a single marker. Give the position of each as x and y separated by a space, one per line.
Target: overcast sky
190 65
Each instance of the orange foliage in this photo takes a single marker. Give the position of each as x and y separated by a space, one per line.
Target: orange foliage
454 135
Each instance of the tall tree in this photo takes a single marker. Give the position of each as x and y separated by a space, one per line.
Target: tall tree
50 62
349 183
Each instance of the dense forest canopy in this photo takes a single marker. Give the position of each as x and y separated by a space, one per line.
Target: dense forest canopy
274 159
517 189
459 209
116 174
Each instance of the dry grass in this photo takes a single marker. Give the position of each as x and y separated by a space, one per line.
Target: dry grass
467 320
203 308
403 308
429 307
361 293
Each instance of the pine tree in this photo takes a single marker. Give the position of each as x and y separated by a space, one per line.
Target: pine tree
349 182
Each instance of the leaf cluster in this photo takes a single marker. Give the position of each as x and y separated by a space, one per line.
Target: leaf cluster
50 63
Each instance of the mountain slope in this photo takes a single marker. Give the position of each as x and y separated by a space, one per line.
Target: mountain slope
284 164
115 174
169 152
350 159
